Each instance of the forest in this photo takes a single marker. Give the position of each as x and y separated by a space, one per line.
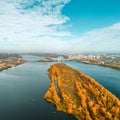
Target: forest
75 93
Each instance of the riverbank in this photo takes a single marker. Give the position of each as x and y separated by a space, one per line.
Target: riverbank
104 65
8 64
81 95
107 60
21 93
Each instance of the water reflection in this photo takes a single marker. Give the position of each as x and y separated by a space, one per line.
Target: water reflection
22 90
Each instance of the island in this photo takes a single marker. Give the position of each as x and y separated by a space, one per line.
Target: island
75 93
8 60
47 60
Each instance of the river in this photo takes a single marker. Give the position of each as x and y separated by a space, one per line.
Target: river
108 77
22 89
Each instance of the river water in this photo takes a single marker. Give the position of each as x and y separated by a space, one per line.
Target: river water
22 89
108 77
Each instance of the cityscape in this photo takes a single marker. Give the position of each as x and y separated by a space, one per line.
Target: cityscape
108 60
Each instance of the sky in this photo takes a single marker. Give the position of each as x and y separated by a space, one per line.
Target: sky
60 25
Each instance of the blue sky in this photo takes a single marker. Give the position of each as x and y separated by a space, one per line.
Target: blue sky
59 25
86 15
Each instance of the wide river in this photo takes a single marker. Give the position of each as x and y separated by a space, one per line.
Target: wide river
22 89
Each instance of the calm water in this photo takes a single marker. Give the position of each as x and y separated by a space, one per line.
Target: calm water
108 77
22 89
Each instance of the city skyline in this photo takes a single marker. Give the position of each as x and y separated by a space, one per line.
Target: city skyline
59 26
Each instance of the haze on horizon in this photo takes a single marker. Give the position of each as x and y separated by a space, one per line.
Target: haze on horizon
59 25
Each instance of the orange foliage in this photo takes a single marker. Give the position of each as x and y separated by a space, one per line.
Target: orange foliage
81 95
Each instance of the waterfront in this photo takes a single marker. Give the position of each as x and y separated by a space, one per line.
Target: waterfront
108 77
22 89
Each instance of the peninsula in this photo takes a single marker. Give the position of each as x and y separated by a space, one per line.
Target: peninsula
75 93
10 60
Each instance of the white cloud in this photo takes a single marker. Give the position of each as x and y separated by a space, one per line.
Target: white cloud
38 25
102 39
31 21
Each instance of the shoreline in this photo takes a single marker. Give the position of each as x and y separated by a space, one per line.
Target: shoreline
10 65
80 95
108 66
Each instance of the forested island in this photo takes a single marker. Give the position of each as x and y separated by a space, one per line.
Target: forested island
47 60
75 93
10 60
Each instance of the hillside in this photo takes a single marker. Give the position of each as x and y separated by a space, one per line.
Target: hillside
77 94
